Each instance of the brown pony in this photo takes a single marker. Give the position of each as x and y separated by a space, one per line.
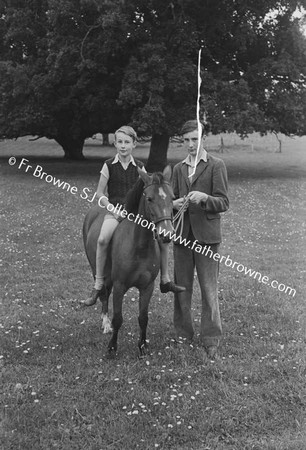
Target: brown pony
134 256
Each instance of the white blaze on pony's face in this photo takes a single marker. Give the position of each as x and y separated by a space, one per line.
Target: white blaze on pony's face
162 193
164 208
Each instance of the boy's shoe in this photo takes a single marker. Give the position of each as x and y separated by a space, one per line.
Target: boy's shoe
211 351
92 300
171 287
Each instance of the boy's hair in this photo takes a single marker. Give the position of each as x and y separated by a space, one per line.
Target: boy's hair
129 131
192 125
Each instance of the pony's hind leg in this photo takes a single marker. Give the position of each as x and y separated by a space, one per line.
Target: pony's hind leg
144 301
119 291
106 323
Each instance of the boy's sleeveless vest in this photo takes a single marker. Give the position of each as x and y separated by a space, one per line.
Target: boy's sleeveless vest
120 180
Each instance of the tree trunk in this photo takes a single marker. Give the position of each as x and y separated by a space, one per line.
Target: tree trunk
222 145
105 139
158 153
279 143
72 147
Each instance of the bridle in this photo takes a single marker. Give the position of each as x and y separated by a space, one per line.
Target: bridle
158 219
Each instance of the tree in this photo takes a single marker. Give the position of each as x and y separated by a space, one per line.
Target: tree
278 81
55 83
72 68
253 68
159 82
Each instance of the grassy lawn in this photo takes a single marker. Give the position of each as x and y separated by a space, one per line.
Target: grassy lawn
57 388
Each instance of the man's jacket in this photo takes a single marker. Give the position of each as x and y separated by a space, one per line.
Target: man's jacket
204 219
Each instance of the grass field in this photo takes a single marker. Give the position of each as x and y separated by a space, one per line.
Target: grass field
57 388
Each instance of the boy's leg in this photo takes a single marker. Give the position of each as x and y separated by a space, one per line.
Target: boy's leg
166 285
107 230
183 271
207 271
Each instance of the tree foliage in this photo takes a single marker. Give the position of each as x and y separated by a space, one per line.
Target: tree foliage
54 82
72 68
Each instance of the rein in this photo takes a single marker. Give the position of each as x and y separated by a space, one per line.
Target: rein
179 216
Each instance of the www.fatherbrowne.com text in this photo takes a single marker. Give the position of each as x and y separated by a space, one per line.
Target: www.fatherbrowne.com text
203 249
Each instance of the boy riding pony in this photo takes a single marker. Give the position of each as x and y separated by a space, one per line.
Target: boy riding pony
118 176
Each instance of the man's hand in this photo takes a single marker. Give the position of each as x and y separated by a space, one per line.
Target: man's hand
178 203
197 197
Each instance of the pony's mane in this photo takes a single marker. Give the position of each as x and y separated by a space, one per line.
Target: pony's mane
133 196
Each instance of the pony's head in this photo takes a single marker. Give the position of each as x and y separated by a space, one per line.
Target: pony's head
158 197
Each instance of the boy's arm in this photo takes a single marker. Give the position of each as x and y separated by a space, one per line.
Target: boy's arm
218 202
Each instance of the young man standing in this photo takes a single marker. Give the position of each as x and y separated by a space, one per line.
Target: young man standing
202 178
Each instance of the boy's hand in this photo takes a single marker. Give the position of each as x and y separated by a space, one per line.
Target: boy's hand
197 197
178 203
122 215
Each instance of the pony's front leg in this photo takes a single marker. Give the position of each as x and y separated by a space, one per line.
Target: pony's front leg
118 293
144 301
106 323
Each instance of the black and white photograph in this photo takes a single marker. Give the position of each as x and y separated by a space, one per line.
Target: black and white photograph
153 224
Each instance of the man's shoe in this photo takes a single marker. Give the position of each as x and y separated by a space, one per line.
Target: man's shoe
92 300
171 287
211 351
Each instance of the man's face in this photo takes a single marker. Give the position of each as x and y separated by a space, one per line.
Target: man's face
124 144
190 142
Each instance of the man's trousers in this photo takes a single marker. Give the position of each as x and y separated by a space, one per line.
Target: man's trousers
185 262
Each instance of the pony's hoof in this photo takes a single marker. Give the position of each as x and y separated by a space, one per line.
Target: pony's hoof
143 350
112 353
106 324
107 330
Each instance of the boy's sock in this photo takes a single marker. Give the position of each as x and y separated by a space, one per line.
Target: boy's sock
164 279
99 283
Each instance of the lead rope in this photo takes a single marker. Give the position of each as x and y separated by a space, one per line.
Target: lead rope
179 217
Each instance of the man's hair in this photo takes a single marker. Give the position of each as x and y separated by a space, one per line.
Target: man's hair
192 125
129 131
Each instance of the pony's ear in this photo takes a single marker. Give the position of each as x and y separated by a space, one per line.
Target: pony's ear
144 176
167 172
